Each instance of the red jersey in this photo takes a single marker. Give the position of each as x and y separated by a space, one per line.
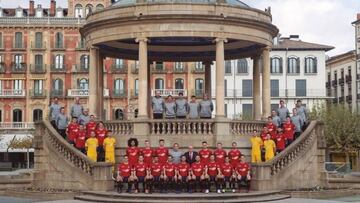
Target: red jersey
170 169
124 169
205 156
263 135
183 169
234 155
148 155
243 168
133 154
197 169
156 169
101 135
80 139
272 130
212 168
140 169
162 153
226 169
90 127
220 155
72 130
280 141
289 129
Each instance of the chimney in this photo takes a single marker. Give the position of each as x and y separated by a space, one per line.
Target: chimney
31 8
52 7
358 16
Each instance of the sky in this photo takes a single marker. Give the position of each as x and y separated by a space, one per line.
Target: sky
318 21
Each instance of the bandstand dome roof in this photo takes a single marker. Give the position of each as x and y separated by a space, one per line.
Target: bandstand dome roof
229 2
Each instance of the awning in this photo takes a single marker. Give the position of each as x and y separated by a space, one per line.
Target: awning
5 140
12 78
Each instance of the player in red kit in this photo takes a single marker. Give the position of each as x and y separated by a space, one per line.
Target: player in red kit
226 176
139 171
169 174
264 133
162 152
72 130
133 151
123 175
234 155
289 130
219 153
147 152
212 171
183 175
280 141
205 153
90 126
153 177
80 139
243 174
101 135
197 175
271 128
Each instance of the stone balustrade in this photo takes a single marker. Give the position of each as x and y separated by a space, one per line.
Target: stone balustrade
245 127
120 127
175 127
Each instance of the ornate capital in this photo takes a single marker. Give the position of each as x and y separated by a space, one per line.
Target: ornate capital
219 39
143 39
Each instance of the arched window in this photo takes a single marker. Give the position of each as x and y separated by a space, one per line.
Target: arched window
37 115
310 65
38 62
119 114
242 66
17 115
159 84
276 65
1 39
88 9
38 40
57 87
84 62
18 59
199 87
59 61
78 11
179 84
83 84
59 40
119 87
99 7
18 40
293 65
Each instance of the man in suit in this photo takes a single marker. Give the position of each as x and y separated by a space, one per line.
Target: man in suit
190 155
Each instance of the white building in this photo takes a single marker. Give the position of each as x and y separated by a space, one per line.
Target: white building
357 51
297 72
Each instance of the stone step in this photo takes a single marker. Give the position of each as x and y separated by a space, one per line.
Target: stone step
92 198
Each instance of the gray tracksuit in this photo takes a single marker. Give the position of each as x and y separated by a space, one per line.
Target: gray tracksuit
158 105
181 107
170 109
283 112
302 112
193 109
62 121
206 107
83 119
276 121
298 122
76 110
54 111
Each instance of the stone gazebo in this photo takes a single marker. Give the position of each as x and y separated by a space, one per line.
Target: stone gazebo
180 31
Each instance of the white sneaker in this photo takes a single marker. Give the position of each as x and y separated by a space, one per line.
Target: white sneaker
233 191
207 191
223 191
218 191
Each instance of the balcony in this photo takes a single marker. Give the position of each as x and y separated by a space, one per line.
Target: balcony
37 68
158 68
37 94
341 81
58 47
134 68
119 93
83 92
341 99
17 125
349 98
198 69
119 68
179 68
348 79
19 47
334 83
38 46
12 93
58 68
80 68
167 92
328 85
81 46
18 67
57 93
2 67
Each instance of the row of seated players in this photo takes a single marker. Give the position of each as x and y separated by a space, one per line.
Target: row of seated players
183 177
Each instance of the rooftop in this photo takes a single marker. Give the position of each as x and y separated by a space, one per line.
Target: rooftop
229 2
291 44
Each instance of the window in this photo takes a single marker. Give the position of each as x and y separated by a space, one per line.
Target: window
84 62
179 66
225 88
159 84
329 77
1 41
335 75
119 87
38 87
119 63
18 85
88 9
159 66
37 115
226 110
199 87
38 62
17 115
247 110
1 115
349 70
179 84
247 88
59 13
38 40
39 12
18 59
242 66
19 12
119 114
99 7
342 73
199 66
136 113
83 84
59 62
293 65
274 87
227 67
276 65
59 40
136 87
57 87
78 11
310 65
18 40
1 12
300 88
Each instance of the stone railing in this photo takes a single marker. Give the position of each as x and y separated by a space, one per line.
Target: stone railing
120 127
17 125
174 127
33 21
245 127
70 158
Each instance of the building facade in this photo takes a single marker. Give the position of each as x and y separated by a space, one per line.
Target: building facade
356 24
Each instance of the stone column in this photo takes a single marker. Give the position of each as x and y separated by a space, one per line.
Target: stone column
207 65
256 89
100 85
220 76
266 102
93 82
143 78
